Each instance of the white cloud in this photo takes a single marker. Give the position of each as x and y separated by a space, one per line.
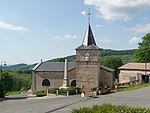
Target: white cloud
141 28
119 9
135 40
99 26
65 37
83 13
4 25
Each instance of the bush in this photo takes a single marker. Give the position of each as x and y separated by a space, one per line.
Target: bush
2 93
108 108
63 91
41 93
52 90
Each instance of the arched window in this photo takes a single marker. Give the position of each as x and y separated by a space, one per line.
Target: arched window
73 83
45 82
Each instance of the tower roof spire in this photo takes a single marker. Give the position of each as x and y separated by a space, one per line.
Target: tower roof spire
88 41
88 37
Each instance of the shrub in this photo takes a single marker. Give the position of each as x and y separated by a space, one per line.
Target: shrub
63 91
52 90
108 108
41 93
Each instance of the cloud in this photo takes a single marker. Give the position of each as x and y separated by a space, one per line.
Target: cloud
83 13
65 37
135 40
141 28
4 25
99 26
119 9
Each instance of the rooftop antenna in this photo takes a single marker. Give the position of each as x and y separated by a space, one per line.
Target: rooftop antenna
89 14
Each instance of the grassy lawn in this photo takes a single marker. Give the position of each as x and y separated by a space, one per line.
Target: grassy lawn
13 93
133 87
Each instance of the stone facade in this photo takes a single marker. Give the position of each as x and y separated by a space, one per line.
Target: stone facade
131 72
55 78
88 72
131 75
107 78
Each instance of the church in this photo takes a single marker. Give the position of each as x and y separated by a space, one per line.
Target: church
86 72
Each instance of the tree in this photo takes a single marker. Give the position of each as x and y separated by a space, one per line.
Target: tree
2 95
114 63
61 60
7 82
143 52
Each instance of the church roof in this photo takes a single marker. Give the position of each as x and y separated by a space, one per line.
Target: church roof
107 69
88 41
88 37
53 66
135 66
59 66
88 47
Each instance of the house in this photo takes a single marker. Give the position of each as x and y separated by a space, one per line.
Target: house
134 71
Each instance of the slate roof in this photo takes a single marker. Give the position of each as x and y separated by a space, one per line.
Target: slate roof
88 47
88 41
135 66
88 37
59 66
107 69
53 66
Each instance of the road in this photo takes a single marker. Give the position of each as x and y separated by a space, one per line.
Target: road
138 98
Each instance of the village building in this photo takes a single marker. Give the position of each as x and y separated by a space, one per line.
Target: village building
134 72
87 71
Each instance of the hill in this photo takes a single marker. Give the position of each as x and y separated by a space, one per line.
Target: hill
16 66
125 55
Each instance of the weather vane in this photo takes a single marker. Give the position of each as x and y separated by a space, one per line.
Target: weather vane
89 14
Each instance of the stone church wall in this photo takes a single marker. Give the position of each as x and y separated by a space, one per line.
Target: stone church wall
107 78
88 72
55 78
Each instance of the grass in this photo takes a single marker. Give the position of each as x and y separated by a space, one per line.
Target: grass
134 87
13 93
109 108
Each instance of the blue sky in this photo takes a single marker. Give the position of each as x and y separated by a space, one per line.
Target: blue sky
31 30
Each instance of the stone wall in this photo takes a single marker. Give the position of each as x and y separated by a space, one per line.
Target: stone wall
107 78
87 72
55 78
131 75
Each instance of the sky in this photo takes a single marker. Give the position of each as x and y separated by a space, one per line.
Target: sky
31 30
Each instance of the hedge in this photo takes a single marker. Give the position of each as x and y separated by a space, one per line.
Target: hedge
108 108
63 91
41 93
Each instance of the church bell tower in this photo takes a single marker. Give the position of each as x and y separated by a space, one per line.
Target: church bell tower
88 62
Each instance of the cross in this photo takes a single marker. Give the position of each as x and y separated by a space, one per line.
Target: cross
89 14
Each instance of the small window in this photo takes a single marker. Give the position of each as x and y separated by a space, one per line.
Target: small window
46 82
73 83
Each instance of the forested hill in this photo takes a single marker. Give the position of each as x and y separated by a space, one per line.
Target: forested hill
109 52
125 55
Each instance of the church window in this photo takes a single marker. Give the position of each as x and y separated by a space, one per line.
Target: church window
73 83
45 82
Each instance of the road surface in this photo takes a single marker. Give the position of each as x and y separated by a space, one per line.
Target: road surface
51 104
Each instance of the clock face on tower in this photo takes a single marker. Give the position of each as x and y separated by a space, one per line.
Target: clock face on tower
87 57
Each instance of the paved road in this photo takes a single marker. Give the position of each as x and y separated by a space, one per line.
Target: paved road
139 98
